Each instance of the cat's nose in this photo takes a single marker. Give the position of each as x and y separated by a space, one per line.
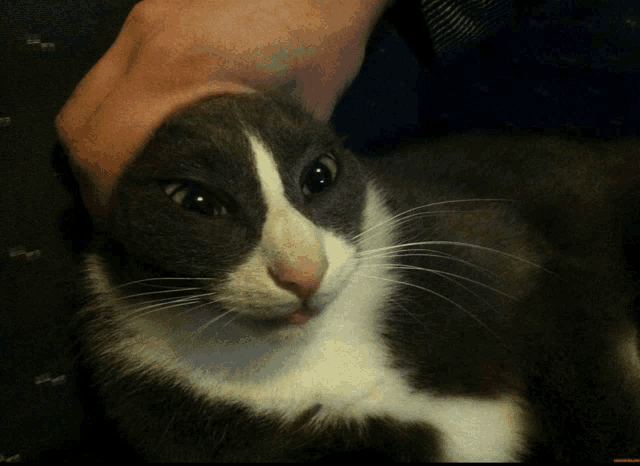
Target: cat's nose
301 280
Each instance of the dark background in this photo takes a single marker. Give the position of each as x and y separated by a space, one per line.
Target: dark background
567 66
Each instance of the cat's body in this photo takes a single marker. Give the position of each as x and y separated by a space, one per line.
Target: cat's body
492 322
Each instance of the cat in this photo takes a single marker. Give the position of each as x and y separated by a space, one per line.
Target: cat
263 294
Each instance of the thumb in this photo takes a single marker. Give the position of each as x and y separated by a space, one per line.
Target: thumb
320 92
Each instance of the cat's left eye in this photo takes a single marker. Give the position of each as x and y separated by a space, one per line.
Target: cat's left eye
195 198
320 175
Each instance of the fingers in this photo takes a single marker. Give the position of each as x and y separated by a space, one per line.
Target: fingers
122 125
171 53
321 90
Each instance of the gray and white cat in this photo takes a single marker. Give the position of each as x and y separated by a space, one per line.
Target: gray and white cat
262 294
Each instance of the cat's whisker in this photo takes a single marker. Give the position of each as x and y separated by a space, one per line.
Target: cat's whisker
140 312
136 282
167 299
209 323
412 218
395 217
175 303
156 292
166 287
405 217
444 275
400 215
162 301
468 245
437 254
136 315
375 252
476 295
236 316
187 311
441 273
207 297
397 303
209 301
436 294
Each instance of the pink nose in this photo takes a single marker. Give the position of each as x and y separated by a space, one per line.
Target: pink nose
301 281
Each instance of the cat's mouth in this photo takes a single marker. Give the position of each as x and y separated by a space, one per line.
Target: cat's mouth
300 316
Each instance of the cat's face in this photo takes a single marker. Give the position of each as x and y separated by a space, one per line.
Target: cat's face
262 205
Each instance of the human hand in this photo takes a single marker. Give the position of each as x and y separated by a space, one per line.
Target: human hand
170 53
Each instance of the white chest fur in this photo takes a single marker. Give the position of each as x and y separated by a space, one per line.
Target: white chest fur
337 359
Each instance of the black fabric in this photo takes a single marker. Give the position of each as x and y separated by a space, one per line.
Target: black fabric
458 25
554 64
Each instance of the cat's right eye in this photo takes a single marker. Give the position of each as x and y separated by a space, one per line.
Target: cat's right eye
195 198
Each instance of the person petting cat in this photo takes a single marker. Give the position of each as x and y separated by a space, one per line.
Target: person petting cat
170 53
262 293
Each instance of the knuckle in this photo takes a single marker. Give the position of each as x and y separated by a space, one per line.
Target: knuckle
144 13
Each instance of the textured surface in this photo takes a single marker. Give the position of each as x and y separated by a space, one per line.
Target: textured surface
556 64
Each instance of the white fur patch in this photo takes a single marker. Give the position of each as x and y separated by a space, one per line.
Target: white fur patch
337 359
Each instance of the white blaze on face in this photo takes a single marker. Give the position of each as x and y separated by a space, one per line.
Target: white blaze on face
291 243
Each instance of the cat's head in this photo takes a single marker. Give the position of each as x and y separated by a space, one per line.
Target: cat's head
250 194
